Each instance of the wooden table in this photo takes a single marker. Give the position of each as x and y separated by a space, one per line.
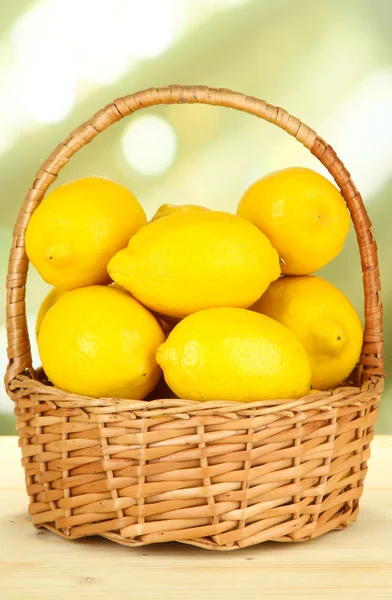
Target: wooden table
353 564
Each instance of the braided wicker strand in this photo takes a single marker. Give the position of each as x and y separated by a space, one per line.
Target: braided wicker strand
218 475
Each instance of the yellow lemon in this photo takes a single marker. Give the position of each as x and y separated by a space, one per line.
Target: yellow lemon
98 341
51 298
54 295
234 354
302 214
190 261
324 321
172 209
77 229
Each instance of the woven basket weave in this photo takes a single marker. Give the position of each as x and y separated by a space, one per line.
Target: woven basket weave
220 475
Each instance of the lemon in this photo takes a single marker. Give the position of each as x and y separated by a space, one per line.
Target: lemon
190 261
324 321
172 209
54 295
234 354
98 341
78 227
303 215
51 298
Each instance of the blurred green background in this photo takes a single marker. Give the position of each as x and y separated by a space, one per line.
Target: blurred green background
328 62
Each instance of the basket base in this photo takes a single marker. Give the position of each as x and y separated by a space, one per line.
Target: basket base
341 522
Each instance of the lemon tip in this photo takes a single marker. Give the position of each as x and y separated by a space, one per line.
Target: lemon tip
166 354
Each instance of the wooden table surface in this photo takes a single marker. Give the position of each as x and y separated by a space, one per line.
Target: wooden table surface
352 564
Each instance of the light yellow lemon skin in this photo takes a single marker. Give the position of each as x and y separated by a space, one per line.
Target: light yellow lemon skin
166 210
233 354
98 341
77 229
51 298
302 214
187 262
324 321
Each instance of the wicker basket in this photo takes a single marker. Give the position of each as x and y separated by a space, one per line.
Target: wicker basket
219 475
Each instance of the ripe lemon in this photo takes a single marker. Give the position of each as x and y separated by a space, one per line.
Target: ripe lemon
77 229
234 354
172 209
302 214
98 341
51 298
324 321
54 295
190 261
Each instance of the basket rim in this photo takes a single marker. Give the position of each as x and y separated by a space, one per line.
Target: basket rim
25 388
19 354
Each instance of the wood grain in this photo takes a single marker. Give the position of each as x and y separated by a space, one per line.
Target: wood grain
352 564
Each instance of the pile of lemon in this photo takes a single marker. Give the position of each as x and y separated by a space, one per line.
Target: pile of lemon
224 305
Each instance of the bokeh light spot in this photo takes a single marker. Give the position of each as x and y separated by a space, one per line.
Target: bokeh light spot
149 144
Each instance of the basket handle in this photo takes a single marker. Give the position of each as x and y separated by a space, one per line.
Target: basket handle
371 360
